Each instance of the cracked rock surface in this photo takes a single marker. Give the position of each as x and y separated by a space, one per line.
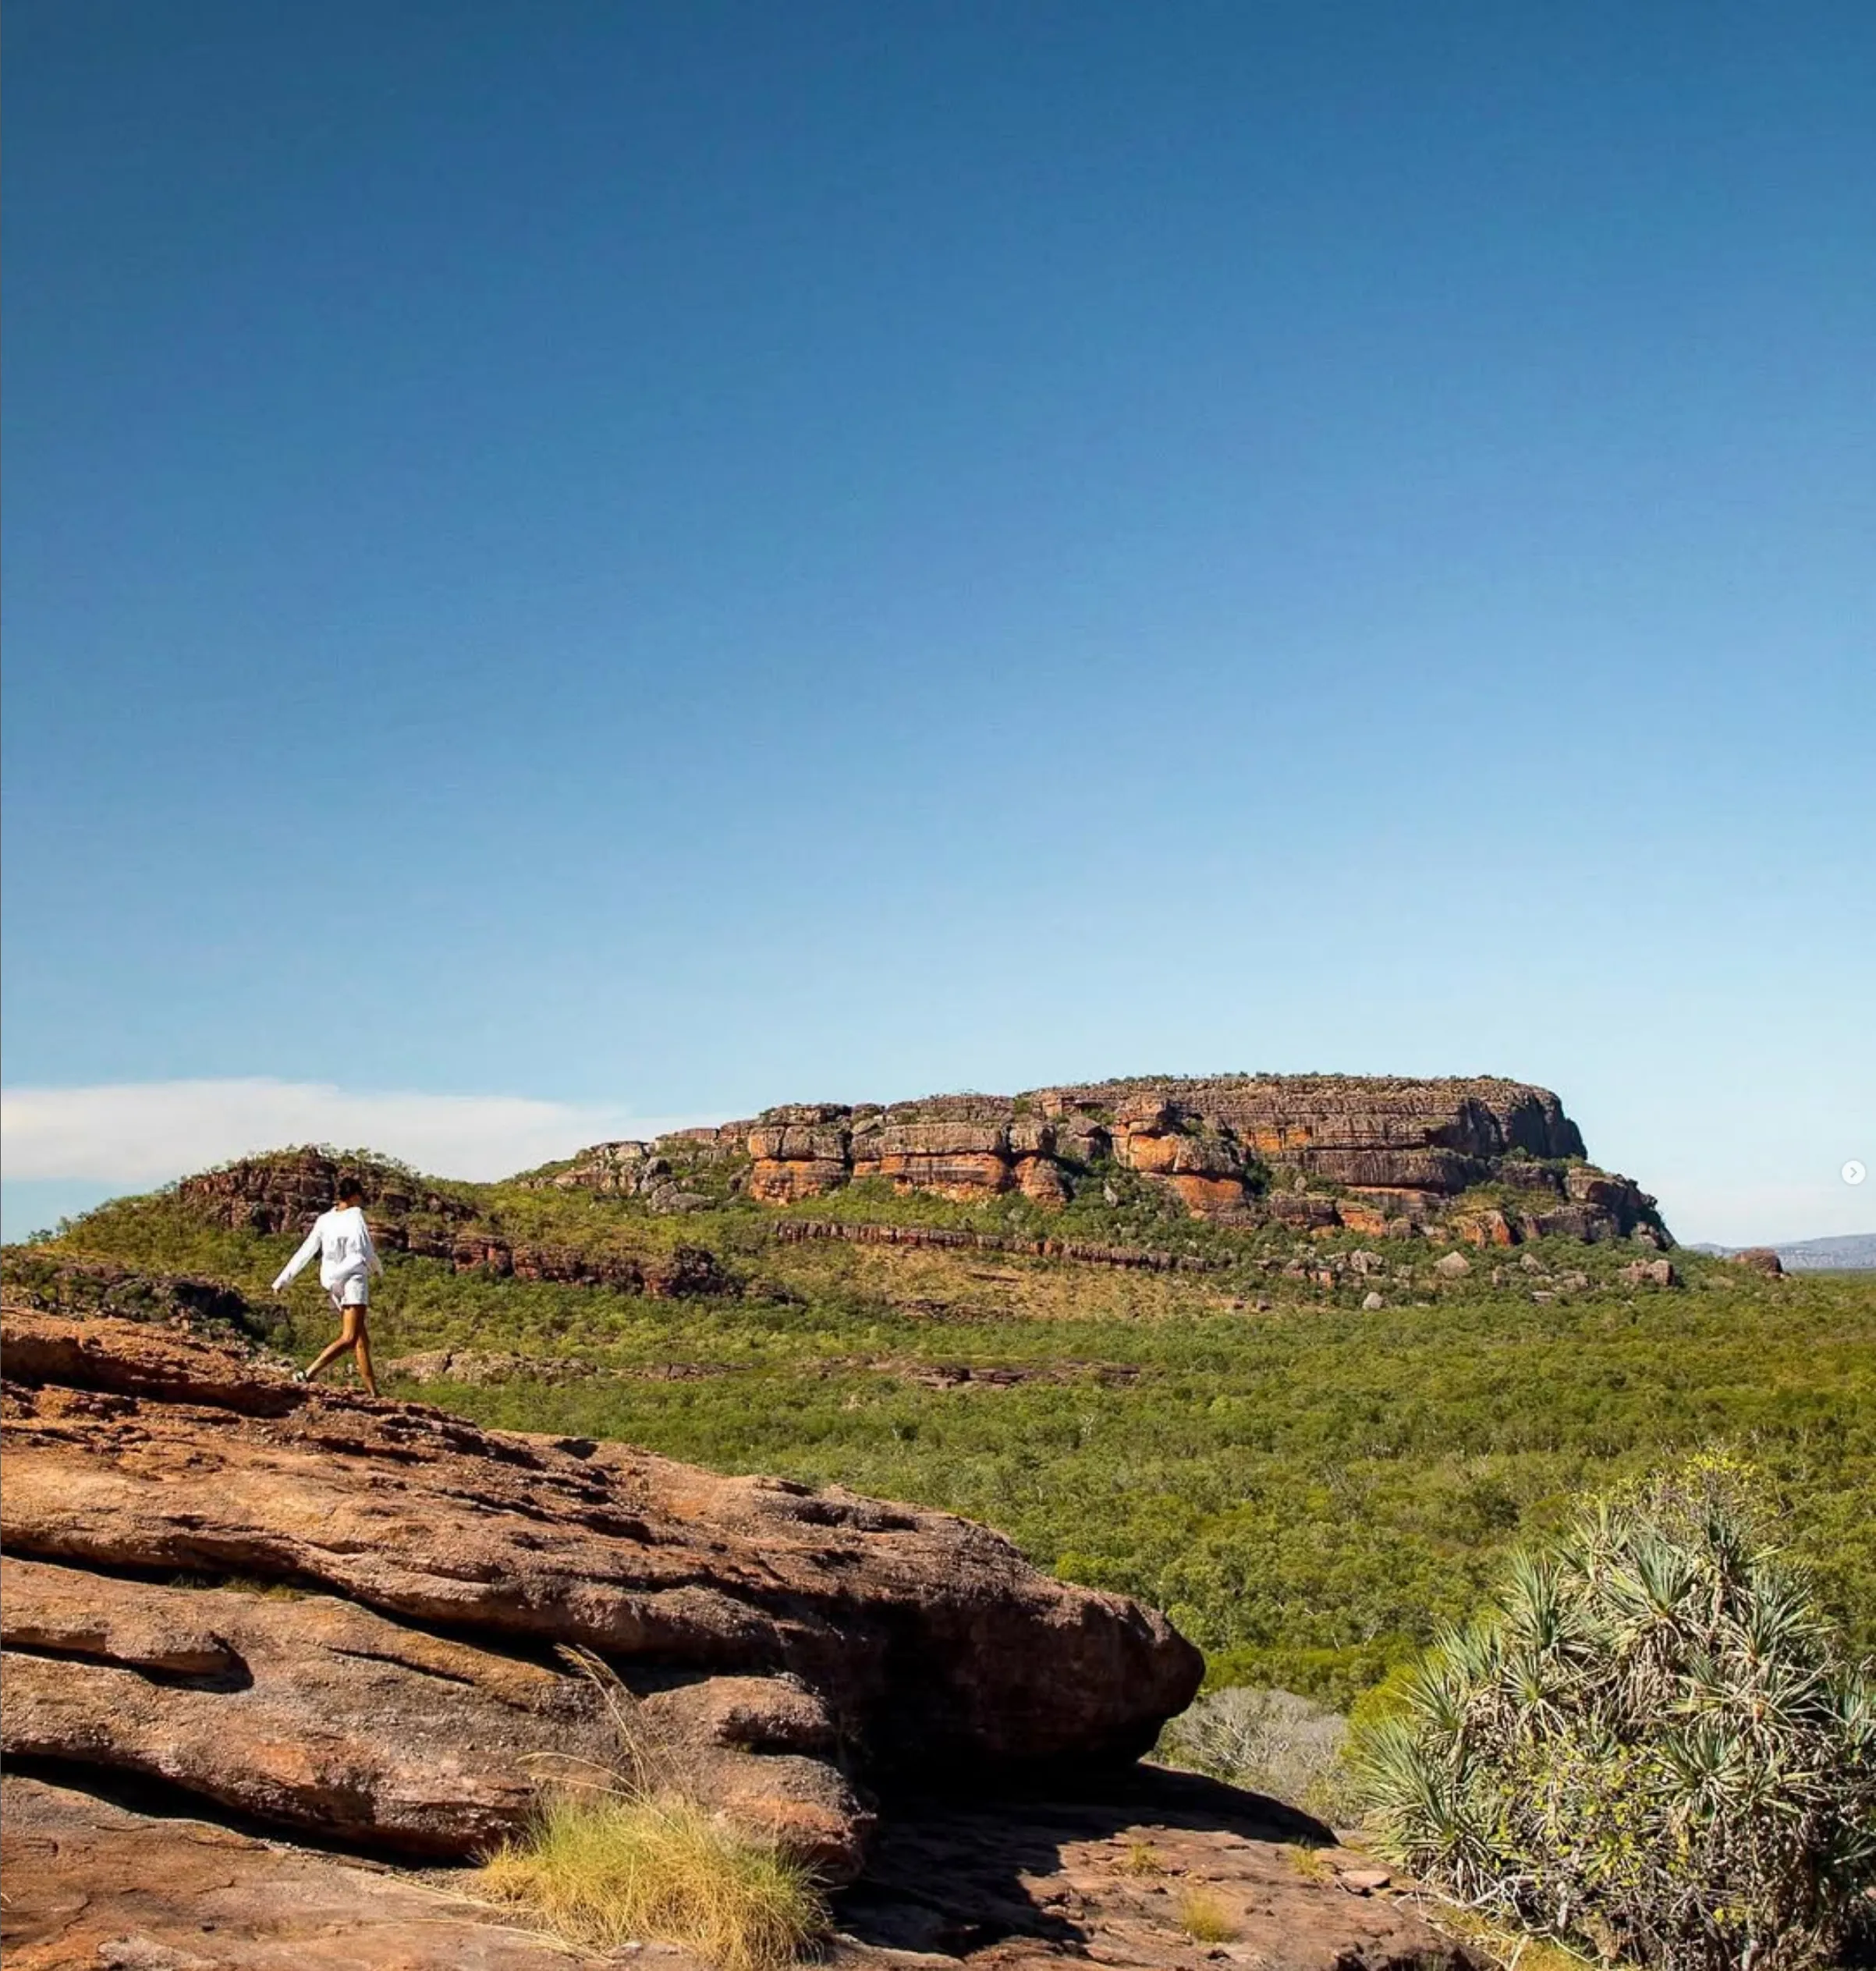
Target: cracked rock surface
351 1616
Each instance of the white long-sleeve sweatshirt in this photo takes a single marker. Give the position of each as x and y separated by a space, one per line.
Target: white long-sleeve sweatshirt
342 1240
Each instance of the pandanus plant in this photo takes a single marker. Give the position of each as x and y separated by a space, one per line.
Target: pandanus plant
1652 1746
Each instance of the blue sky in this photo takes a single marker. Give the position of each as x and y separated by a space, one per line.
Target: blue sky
568 565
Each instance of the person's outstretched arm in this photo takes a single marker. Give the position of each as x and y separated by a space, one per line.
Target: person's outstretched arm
299 1259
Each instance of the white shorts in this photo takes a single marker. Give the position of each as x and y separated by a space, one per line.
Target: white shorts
354 1293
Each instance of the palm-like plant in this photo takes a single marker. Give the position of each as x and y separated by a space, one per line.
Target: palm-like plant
1652 1744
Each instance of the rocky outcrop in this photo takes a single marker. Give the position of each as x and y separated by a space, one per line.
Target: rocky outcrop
342 1615
1382 1155
799 1151
1760 1259
630 1169
685 1272
57 1283
285 1192
1202 1162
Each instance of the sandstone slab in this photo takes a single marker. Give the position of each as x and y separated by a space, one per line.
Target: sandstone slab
95 1885
922 1641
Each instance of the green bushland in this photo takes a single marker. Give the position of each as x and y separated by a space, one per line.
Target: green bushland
1652 1744
1312 1491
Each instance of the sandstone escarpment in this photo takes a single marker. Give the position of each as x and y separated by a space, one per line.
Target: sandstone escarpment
1380 1155
346 1616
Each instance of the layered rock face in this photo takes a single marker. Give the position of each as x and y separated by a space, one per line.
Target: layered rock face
1378 1154
972 1146
351 1616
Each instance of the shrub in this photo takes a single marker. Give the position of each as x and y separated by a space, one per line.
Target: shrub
1652 1746
603 1869
1269 1741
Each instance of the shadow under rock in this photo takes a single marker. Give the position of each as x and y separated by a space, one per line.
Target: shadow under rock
950 1869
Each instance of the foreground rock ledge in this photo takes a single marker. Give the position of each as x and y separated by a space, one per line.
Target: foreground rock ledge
1016 1885
348 1616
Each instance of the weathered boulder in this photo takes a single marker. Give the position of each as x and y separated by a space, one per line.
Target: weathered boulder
445 1564
1482 1228
1652 1273
1305 1211
1760 1259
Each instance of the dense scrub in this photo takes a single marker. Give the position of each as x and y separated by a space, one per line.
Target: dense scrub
1310 1488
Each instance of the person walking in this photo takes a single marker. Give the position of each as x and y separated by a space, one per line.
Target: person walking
347 1260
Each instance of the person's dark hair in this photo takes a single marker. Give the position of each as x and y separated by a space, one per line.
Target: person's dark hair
351 1191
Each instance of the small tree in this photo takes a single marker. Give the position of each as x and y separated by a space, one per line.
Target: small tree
1653 1745
1271 1741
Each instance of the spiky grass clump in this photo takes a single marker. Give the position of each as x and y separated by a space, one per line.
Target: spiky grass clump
1653 1746
1205 1920
602 1869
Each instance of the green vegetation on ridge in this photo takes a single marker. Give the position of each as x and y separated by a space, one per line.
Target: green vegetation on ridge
1312 1490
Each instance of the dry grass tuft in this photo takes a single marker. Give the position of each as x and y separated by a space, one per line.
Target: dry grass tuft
1511 1950
1311 1863
603 1869
1140 1857
1205 1920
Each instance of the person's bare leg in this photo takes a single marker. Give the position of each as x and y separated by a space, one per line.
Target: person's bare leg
333 1350
361 1348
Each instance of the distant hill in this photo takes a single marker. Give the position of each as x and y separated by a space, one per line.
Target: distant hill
1854 1252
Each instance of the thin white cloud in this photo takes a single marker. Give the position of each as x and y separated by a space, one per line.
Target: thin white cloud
148 1133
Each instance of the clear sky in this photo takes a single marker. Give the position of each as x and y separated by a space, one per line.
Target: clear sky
577 564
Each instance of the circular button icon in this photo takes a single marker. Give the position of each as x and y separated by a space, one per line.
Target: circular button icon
1853 1172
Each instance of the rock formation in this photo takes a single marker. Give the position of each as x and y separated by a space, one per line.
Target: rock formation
1377 1154
286 1191
350 1616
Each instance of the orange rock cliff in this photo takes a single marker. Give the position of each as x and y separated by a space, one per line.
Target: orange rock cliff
1378 1155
